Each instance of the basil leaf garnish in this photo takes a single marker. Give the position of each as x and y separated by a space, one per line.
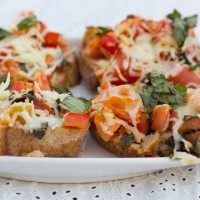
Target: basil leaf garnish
158 91
181 26
4 33
73 104
27 23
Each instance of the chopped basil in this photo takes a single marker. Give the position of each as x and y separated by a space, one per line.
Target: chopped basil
158 91
40 132
73 104
103 31
196 148
23 67
183 57
4 33
127 140
62 90
194 67
64 63
181 26
27 23
3 78
175 14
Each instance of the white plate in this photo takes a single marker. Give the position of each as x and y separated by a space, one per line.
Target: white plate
93 164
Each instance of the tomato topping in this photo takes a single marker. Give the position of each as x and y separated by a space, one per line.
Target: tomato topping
120 57
21 85
93 48
42 80
143 124
120 106
188 125
185 77
100 119
174 115
160 117
42 27
42 105
110 43
52 39
75 120
11 66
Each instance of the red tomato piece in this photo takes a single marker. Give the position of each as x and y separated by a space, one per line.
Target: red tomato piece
42 26
52 39
160 117
143 125
185 77
42 80
110 43
192 124
21 85
75 120
173 114
42 105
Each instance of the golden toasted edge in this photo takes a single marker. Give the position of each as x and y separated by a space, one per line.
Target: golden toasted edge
55 143
153 145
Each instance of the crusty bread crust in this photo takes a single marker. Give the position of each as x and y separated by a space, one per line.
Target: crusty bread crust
55 143
151 147
66 76
86 66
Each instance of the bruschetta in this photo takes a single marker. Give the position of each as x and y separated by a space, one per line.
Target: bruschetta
150 119
37 121
29 46
137 46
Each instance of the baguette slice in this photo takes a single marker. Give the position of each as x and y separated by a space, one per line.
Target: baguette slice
55 143
152 146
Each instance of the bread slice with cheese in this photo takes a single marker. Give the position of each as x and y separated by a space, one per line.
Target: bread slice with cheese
36 122
137 46
151 119
29 46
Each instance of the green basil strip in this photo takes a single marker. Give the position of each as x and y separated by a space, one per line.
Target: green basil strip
4 33
27 23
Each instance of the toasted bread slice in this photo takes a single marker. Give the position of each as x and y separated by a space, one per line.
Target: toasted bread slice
55 143
153 145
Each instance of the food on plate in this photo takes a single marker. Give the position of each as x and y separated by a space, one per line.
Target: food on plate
28 47
37 121
149 119
137 46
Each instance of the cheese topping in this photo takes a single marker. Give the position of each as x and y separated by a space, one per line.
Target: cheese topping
147 45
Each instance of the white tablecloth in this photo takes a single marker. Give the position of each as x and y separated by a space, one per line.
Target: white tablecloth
71 18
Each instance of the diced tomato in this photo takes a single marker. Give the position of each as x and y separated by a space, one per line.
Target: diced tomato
125 72
42 105
192 124
75 120
174 115
42 80
185 77
99 119
160 117
10 66
120 106
143 124
42 26
21 85
49 58
52 39
93 49
109 42
164 56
